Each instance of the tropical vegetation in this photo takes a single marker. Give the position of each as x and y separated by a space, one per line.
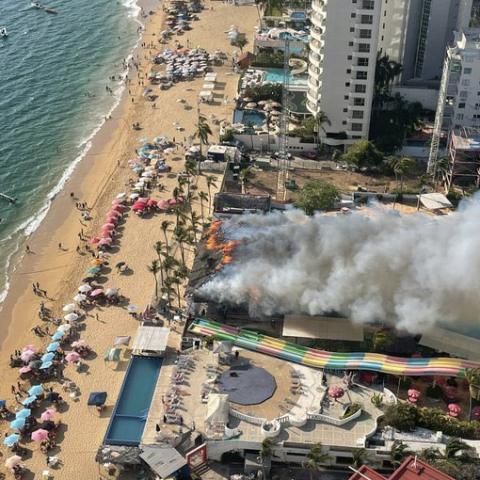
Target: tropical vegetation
363 154
317 195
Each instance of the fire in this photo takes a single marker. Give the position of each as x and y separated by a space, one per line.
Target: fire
216 242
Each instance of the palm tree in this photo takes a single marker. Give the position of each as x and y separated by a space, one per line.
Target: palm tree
359 457
159 248
191 167
472 375
169 263
321 119
401 167
195 221
244 176
266 451
210 183
202 133
180 236
430 454
315 458
153 268
165 226
203 196
398 452
454 446
386 71
167 290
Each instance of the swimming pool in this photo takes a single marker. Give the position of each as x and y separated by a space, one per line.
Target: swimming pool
249 117
131 410
275 75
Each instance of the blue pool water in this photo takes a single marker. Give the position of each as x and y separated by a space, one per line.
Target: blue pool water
249 117
131 410
275 75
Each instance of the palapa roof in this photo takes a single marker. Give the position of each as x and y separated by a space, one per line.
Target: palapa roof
239 203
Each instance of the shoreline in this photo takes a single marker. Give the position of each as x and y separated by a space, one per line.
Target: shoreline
28 230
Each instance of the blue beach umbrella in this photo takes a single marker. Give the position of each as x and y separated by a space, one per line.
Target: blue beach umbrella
24 413
18 423
29 400
3 403
53 347
11 440
36 390
58 336
45 365
48 357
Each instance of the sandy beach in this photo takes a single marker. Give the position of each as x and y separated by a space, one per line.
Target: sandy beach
102 174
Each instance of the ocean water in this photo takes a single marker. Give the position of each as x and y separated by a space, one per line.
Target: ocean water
53 75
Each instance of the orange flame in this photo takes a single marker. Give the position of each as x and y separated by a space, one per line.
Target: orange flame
215 242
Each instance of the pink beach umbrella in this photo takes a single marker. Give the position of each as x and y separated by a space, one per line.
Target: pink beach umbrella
112 219
14 461
27 355
114 213
96 292
93 240
413 395
29 347
72 357
152 203
25 369
105 241
336 392
40 435
108 226
79 343
48 415
454 410
117 201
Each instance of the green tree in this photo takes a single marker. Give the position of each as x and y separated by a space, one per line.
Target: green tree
314 459
402 416
377 400
455 446
317 195
398 453
203 196
203 131
165 225
239 42
472 375
160 249
386 71
363 154
244 177
359 457
154 268
401 166
266 451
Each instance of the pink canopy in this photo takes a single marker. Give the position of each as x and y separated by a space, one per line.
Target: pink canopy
454 409
25 369
117 201
48 414
414 393
72 357
139 207
94 240
40 435
27 355
79 343
114 213
96 292
112 219
142 200
105 241
152 203
29 347
336 392
108 226
118 208
163 204
173 201
106 235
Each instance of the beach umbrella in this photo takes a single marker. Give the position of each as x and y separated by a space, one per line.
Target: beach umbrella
23 413
247 99
45 365
94 271
114 213
132 308
29 400
14 461
40 435
152 203
18 423
120 196
72 357
84 288
57 336
48 357
29 347
93 240
53 347
65 328
117 201
79 343
96 262
96 292
108 226
454 410
48 414
71 307
121 340
105 241
112 219
27 355
71 317
80 297
111 292
11 440
336 392
25 369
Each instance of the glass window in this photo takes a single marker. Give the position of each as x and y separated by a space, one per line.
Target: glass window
467 71
461 105
360 88
465 82
366 19
362 75
365 33
364 47
463 94
357 114
362 62
359 102
357 127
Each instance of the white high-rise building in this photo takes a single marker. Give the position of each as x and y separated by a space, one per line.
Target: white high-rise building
343 49
346 36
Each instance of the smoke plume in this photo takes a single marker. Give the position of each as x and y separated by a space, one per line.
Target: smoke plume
411 271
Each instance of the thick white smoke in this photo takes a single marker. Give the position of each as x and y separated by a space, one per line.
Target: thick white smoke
411 271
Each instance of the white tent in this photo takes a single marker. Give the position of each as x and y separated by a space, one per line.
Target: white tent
434 201
152 339
217 408
163 461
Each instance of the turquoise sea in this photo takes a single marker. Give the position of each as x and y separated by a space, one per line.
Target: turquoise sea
53 74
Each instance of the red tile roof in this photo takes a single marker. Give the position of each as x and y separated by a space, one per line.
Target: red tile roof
366 472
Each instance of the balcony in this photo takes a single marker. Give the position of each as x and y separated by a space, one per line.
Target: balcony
316 34
315 72
312 106
314 85
315 60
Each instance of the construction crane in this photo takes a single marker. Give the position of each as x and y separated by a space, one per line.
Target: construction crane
283 161
450 65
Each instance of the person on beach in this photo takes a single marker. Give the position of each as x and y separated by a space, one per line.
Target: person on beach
27 249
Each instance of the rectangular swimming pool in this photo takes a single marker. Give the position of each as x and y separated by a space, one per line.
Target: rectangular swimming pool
131 410
275 75
249 117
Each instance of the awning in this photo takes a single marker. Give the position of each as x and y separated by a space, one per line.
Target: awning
217 408
325 328
434 201
163 461
453 343
152 339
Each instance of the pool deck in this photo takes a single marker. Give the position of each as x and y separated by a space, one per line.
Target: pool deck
194 411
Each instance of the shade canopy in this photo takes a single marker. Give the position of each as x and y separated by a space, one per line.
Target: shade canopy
97 398
153 339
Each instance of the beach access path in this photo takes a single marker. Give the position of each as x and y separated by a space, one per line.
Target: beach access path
101 175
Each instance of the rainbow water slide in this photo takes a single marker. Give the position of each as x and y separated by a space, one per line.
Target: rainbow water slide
375 362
